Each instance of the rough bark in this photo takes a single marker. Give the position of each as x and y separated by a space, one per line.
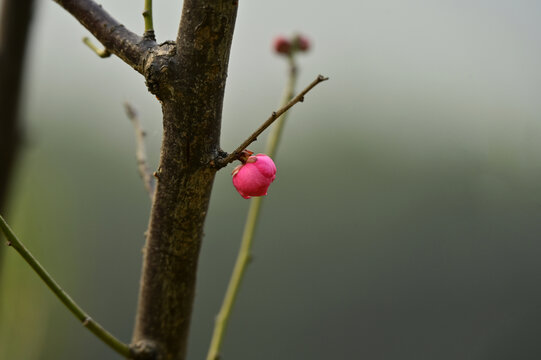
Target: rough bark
15 22
189 79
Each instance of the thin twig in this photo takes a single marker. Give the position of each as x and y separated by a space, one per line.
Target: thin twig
243 257
102 53
140 152
84 318
275 115
149 26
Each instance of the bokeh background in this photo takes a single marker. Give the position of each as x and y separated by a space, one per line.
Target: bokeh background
405 219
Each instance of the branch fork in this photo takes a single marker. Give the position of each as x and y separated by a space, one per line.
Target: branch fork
115 38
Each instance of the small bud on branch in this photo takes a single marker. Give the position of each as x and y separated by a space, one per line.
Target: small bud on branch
254 176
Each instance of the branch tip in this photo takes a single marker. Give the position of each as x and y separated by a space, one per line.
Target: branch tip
102 53
130 110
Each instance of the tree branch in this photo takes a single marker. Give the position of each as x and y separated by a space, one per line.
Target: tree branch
116 39
275 115
68 302
140 152
15 20
189 78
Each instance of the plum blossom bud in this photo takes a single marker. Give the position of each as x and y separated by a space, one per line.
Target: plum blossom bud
282 45
254 177
303 44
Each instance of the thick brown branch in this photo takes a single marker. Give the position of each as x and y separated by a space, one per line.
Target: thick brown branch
189 79
274 116
118 40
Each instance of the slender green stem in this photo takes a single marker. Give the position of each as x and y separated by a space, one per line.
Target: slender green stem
243 256
102 53
147 16
75 309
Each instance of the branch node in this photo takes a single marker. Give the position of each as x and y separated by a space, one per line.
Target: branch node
149 35
144 350
102 53
222 154
218 161
87 321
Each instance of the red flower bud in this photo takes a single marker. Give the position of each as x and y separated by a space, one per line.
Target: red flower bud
282 45
254 177
303 43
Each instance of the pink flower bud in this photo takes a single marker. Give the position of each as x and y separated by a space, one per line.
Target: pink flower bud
303 43
255 176
281 45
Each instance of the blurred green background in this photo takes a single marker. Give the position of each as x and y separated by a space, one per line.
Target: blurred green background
405 219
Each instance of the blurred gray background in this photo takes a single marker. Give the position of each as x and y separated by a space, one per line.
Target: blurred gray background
405 219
